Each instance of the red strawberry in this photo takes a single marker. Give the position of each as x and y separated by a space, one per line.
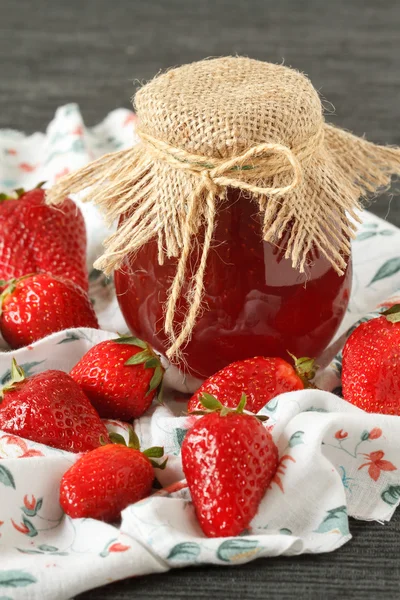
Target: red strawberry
260 378
36 237
120 377
36 305
371 364
50 408
229 459
105 481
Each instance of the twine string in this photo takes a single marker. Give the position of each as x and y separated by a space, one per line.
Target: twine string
215 175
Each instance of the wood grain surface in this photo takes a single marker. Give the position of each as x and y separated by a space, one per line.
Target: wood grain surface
93 51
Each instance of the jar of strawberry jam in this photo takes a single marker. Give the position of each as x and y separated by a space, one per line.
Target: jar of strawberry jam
236 208
255 302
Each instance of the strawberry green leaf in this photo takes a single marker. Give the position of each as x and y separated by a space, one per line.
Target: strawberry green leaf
20 192
17 375
40 185
27 367
157 465
133 439
242 404
139 358
116 438
154 452
131 341
156 379
210 402
393 309
393 314
153 362
394 318
160 393
262 418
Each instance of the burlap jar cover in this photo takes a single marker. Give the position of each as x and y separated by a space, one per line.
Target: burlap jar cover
230 122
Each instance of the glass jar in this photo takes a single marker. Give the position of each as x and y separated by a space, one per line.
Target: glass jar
255 302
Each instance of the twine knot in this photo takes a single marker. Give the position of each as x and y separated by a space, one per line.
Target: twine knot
265 161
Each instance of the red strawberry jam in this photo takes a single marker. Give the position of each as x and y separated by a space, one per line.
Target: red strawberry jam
255 302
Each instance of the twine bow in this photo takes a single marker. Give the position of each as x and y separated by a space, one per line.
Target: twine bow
267 159
214 172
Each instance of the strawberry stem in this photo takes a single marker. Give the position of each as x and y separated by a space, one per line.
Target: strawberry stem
154 452
305 368
134 443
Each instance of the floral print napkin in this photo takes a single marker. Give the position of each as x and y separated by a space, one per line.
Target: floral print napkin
335 460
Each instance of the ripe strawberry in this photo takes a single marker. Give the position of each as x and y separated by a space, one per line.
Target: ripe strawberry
36 305
105 481
260 378
36 237
371 364
50 408
120 377
229 459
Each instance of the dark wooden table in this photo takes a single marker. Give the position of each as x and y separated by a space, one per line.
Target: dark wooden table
91 51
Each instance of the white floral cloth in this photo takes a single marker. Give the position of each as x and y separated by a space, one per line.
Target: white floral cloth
335 460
